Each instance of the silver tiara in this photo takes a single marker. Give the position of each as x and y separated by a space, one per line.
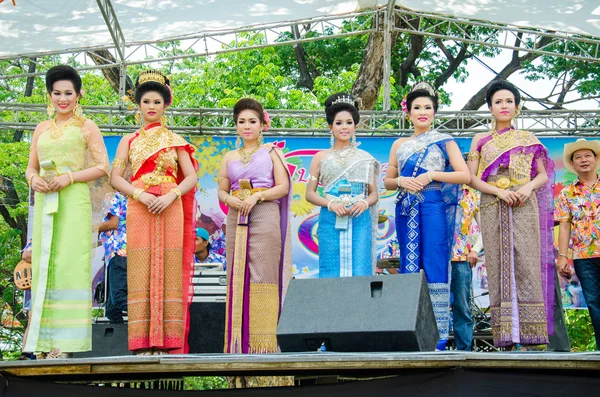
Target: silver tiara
424 86
344 99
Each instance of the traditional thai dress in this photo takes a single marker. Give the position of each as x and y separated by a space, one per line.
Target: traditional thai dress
425 221
347 244
61 316
517 240
258 258
160 246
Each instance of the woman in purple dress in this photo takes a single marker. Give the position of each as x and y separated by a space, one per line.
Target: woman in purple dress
254 182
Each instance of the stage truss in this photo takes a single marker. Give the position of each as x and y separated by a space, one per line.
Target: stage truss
310 123
387 19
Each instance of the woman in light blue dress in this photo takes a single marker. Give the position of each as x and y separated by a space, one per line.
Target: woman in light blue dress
349 197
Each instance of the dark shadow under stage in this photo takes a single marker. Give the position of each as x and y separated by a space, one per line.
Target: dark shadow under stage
361 374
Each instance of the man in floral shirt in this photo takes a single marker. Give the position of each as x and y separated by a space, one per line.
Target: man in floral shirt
203 253
578 211
465 254
114 238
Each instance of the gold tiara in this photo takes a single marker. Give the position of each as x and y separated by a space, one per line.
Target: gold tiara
344 99
424 86
151 75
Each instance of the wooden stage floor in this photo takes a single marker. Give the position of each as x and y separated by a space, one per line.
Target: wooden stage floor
301 364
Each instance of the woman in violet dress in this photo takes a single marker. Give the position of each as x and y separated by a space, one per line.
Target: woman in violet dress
255 183
507 166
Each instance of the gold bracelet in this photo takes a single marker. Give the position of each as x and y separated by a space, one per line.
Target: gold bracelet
177 192
226 200
398 181
262 197
138 192
31 178
71 178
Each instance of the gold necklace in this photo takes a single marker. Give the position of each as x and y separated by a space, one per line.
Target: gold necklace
154 139
504 140
56 131
246 157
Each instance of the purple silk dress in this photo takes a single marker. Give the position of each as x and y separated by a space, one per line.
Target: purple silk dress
258 261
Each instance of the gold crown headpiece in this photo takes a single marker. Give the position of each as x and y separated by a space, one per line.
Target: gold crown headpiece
151 75
344 99
424 86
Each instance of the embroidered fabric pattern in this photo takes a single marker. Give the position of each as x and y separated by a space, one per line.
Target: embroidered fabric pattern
150 142
119 163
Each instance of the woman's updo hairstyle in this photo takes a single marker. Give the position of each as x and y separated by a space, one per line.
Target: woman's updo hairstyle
499 85
341 102
62 72
422 90
249 104
153 80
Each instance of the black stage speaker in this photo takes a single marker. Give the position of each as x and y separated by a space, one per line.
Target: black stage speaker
358 314
207 327
107 340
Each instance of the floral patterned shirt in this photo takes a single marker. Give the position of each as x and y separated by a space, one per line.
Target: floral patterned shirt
115 241
579 205
27 247
213 258
217 242
467 235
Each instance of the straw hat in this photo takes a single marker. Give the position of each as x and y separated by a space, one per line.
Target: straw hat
581 143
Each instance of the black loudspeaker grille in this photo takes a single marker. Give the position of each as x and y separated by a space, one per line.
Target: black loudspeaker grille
358 314
107 340
207 327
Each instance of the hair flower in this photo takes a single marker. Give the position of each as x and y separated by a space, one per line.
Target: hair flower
267 123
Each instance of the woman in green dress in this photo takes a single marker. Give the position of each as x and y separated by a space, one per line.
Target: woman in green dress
67 167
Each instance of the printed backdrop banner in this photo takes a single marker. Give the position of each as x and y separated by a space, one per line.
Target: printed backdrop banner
305 245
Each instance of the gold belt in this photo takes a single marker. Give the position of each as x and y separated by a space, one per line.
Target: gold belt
243 194
154 179
505 182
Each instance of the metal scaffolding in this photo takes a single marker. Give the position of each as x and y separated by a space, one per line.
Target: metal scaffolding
119 120
386 19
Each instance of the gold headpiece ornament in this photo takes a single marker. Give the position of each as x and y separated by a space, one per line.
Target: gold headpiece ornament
344 99
424 86
151 75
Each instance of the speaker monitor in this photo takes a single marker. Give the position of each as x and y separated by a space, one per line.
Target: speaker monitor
358 314
107 340
207 327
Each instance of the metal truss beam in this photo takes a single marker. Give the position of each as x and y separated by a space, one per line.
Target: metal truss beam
557 44
310 123
223 41
112 23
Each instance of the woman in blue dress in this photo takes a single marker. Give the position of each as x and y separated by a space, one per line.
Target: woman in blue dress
348 175
428 169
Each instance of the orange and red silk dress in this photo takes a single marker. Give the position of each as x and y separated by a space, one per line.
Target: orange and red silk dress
160 247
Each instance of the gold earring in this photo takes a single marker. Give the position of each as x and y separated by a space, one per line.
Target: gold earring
49 108
138 118
493 123
238 142
514 119
260 139
332 140
163 120
353 140
78 110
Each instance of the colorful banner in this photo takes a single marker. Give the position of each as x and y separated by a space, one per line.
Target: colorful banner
299 153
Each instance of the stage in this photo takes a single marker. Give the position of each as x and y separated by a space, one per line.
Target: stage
347 364
387 374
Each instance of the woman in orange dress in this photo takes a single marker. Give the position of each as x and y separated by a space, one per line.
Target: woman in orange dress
160 225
